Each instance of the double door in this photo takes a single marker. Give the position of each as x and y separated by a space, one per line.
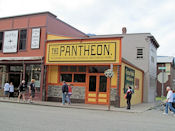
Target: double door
98 89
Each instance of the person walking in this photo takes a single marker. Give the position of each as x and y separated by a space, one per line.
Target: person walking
11 89
32 90
22 87
128 97
69 92
169 101
6 89
64 92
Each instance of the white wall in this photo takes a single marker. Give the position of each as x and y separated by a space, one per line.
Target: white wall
130 43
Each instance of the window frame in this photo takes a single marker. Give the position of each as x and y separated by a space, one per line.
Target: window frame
73 73
2 40
19 40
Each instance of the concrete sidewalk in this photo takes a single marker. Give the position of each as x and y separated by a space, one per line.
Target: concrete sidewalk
139 108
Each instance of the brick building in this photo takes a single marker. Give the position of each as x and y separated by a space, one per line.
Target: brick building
22 47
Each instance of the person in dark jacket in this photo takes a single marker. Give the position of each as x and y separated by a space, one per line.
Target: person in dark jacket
64 92
22 87
32 90
128 97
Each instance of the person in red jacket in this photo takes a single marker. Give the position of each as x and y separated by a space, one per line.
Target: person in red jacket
69 92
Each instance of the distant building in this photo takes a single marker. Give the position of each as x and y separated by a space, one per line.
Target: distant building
165 74
141 50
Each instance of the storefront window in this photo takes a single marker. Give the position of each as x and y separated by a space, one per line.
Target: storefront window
64 68
3 75
79 77
66 77
98 69
73 69
73 73
33 72
16 68
82 68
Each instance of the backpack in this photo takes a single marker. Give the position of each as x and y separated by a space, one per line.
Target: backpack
132 90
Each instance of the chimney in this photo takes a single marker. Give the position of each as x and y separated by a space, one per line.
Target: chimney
124 30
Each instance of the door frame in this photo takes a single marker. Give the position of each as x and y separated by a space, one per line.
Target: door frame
103 96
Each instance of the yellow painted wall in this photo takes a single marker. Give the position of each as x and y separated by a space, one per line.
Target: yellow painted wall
53 74
114 78
55 37
137 96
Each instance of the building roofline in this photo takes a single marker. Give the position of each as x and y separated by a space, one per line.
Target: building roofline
38 13
82 38
131 64
112 35
122 35
71 26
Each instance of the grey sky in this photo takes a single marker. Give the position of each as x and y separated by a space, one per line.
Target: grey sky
107 16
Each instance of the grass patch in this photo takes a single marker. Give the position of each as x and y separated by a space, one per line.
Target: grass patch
160 98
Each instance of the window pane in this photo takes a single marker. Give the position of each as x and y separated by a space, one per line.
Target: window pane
82 68
64 68
33 72
98 69
23 36
1 35
79 78
22 44
1 40
0 45
73 69
103 84
92 83
66 77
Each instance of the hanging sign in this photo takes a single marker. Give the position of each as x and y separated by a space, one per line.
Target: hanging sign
10 41
35 42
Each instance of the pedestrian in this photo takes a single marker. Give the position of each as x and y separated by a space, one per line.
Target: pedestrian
11 89
128 97
64 92
69 92
32 90
22 88
6 89
169 101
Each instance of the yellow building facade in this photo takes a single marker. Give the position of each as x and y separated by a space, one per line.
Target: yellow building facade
82 63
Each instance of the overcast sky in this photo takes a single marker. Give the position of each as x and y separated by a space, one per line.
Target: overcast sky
107 16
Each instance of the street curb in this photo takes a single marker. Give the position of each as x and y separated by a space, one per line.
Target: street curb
76 107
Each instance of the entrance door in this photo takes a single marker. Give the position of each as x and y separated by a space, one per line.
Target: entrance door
15 78
97 92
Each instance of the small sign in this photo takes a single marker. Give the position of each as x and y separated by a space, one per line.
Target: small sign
162 77
162 68
35 42
109 73
10 41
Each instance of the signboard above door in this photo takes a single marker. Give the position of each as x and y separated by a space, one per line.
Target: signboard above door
81 51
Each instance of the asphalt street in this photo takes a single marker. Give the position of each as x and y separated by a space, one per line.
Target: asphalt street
27 117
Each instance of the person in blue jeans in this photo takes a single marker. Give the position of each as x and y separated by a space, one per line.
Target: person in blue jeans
64 92
169 101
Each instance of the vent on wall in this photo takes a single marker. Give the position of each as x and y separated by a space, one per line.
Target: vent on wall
139 53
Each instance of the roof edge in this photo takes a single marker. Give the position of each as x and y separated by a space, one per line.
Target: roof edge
38 13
